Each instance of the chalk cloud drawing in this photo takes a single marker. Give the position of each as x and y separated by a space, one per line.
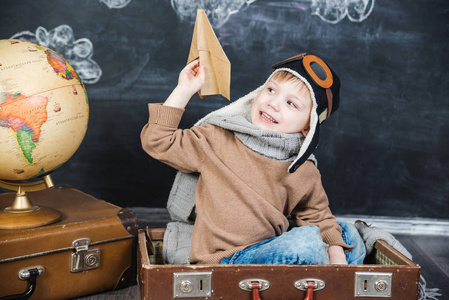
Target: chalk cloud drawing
116 3
333 11
77 52
217 11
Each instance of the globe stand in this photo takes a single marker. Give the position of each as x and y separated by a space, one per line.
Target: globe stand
22 213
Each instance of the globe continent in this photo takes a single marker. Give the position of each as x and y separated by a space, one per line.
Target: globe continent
44 110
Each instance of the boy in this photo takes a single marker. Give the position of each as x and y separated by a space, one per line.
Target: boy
246 155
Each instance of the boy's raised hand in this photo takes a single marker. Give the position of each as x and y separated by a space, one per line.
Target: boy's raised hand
190 81
192 76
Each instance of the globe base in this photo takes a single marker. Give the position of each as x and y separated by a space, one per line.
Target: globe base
23 214
39 216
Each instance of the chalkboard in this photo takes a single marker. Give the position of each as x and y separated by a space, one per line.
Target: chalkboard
384 152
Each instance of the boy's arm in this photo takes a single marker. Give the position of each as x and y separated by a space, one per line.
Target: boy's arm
337 255
190 81
313 209
161 138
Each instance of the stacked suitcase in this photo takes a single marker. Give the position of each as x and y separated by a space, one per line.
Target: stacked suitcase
90 250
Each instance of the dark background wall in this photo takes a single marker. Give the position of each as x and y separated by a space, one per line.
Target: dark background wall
385 152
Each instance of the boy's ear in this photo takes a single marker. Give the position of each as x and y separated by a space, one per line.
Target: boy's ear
305 131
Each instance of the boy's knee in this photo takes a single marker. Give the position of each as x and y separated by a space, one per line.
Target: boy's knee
305 234
352 237
308 228
307 246
348 230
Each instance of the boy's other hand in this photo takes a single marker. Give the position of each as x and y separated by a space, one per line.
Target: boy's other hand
337 255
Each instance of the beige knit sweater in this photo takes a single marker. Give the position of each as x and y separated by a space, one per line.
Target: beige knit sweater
242 198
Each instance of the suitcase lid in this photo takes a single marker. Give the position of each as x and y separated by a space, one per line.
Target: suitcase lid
83 216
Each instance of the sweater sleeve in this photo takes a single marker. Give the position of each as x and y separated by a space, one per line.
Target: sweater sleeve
161 139
313 209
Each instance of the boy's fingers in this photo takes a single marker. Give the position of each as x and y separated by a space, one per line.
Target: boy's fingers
201 71
194 63
193 66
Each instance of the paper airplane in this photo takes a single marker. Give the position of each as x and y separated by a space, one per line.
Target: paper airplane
207 48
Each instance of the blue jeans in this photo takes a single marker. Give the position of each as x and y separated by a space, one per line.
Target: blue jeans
300 246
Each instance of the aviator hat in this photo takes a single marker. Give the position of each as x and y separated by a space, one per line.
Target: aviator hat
324 87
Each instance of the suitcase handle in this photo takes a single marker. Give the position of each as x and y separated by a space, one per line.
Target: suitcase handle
310 287
30 275
255 287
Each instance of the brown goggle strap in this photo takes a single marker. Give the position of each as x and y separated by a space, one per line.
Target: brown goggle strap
329 101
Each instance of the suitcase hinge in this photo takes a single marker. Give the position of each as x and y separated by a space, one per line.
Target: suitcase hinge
84 258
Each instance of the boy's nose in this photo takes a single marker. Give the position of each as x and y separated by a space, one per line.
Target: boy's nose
274 103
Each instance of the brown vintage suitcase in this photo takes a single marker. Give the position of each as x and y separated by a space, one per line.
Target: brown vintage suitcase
91 249
386 274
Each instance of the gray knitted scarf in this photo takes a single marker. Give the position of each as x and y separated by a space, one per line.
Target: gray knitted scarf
273 145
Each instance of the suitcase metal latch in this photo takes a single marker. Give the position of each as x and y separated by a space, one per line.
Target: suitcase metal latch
84 258
373 284
192 285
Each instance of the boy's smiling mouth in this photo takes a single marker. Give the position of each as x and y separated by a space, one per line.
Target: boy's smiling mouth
267 118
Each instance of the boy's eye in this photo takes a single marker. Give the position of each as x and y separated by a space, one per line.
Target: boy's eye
292 104
270 90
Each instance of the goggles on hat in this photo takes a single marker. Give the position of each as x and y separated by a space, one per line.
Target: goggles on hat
318 71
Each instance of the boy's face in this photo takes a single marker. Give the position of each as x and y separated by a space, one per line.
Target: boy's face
283 106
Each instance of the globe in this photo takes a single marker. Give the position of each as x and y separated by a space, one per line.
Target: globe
44 114
44 110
